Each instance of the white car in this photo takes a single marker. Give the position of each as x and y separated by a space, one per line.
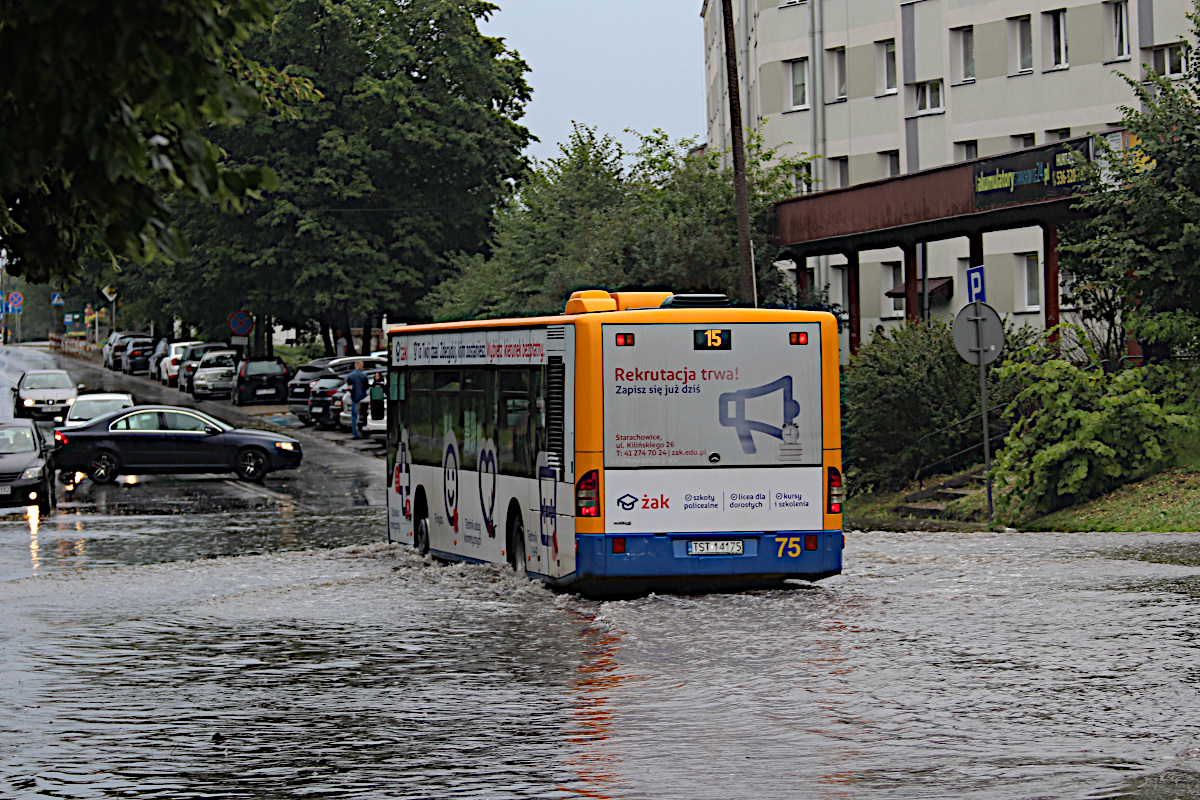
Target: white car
371 426
215 374
168 368
89 406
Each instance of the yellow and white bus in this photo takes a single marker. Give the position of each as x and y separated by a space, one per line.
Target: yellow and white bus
640 441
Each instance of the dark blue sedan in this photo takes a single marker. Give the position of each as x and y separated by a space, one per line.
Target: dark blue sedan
146 440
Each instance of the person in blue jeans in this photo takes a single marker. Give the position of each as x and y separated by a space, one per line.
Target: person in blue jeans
358 391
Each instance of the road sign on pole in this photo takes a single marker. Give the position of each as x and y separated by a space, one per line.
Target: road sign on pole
976 287
109 292
241 323
16 299
979 337
56 299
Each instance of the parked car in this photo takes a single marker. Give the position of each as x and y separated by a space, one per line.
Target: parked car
320 395
341 403
156 357
191 359
167 439
135 356
168 367
298 387
89 406
214 374
345 364
260 380
27 466
43 394
115 345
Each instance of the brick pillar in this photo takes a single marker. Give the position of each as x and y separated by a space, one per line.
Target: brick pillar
1050 277
852 301
911 304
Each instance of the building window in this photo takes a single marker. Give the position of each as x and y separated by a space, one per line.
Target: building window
800 83
1169 61
893 276
1023 140
1033 282
963 44
1120 23
839 171
929 96
967 150
1058 134
802 178
889 163
886 52
1020 31
837 58
1056 27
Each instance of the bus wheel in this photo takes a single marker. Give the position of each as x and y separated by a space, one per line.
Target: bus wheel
421 536
516 543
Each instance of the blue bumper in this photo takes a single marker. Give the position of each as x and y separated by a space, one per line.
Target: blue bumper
777 554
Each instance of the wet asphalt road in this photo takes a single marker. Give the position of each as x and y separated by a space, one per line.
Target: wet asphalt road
199 638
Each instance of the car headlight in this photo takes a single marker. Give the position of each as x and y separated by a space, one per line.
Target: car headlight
31 474
285 445
70 401
28 402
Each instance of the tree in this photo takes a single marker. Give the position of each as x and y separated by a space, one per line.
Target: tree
587 218
1141 246
413 146
103 111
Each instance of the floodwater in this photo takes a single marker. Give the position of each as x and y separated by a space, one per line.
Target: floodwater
939 665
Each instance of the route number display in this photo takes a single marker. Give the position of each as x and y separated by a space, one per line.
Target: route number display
713 339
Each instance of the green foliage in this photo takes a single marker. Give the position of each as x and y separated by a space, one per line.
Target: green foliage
902 386
1079 431
1141 248
402 163
598 216
103 111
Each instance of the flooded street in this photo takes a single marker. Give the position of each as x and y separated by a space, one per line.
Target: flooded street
201 638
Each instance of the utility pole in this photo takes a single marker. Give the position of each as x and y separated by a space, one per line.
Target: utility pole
741 194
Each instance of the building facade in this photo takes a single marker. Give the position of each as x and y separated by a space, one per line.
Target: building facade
877 88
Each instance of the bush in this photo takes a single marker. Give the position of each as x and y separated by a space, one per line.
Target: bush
1079 432
904 385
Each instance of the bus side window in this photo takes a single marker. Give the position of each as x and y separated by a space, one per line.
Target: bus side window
447 389
537 385
513 445
475 422
419 419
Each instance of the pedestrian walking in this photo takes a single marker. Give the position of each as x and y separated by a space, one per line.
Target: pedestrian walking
339 343
358 392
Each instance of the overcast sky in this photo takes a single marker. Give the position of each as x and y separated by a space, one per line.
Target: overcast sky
611 64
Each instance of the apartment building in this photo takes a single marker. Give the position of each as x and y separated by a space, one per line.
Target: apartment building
877 88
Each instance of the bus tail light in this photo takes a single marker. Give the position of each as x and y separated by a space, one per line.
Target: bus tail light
836 492
587 495
797 337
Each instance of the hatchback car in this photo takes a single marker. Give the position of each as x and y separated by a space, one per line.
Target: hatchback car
115 345
167 439
260 380
135 357
26 467
191 359
43 394
168 368
89 406
214 374
298 387
320 397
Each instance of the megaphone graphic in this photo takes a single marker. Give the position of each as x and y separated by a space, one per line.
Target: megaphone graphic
745 427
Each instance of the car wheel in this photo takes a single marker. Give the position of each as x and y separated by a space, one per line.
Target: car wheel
421 536
235 398
104 467
46 498
305 421
251 464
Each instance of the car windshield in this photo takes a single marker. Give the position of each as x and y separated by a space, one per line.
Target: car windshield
47 380
264 368
329 383
140 344
218 360
86 408
16 440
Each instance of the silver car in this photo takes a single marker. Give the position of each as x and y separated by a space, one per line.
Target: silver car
89 406
215 373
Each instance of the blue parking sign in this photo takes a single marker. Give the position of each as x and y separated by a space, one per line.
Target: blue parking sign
976 287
